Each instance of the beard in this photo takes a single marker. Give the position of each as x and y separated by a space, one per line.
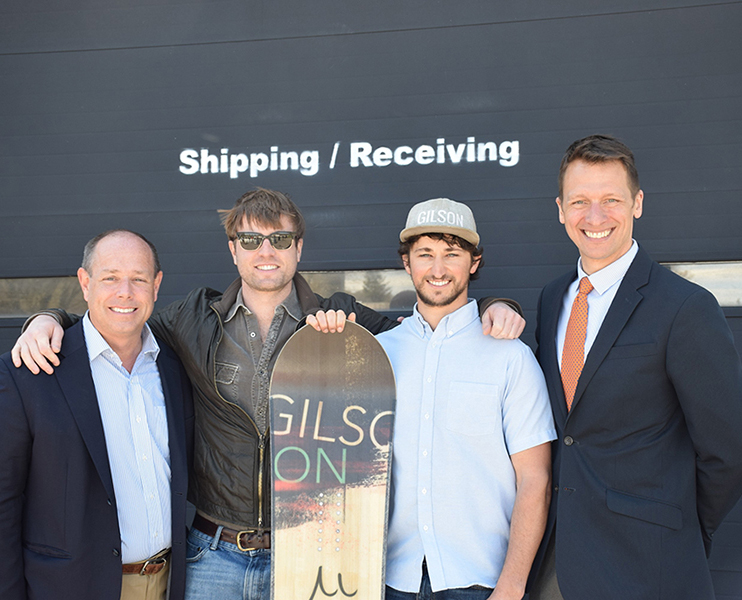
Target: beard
441 298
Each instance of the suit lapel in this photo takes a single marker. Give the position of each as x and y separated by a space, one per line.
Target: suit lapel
627 299
76 382
170 379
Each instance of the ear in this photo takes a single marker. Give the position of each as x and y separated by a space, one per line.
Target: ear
84 279
475 264
233 251
561 210
299 246
406 263
638 204
157 282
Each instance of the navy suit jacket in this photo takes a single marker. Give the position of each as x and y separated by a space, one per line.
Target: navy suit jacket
58 521
648 461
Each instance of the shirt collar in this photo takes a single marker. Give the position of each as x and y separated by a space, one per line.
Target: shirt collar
451 324
290 304
97 345
608 276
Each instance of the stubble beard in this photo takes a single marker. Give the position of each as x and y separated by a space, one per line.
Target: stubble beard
455 294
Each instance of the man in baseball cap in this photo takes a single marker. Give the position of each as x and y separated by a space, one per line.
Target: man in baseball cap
471 438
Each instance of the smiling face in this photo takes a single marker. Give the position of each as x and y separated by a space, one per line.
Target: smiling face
598 211
440 273
266 269
120 288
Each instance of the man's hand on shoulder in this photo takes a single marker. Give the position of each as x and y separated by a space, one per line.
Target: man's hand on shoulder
331 321
502 322
37 347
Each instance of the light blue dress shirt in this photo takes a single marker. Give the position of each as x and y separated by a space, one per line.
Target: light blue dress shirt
465 403
605 285
132 408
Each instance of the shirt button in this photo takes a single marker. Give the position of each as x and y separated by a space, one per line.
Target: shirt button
430 379
139 419
252 334
427 416
425 452
424 491
425 527
568 441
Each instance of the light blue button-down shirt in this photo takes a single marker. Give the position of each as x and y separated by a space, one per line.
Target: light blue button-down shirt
465 403
132 408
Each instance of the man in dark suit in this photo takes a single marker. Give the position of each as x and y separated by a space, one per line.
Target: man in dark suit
94 458
646 389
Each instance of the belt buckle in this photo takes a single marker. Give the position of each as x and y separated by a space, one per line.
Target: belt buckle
153 561
246 532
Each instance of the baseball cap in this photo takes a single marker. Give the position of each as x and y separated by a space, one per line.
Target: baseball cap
441 215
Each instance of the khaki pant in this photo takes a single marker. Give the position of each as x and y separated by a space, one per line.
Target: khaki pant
145 587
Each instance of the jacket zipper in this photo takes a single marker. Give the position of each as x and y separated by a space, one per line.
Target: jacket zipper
261 436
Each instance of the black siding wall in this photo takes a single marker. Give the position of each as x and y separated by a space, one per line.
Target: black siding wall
99 99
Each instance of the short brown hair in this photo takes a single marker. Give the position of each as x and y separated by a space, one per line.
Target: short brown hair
265 207
453 240
89 250
598 149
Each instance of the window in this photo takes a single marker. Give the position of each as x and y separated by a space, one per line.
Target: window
25 296
722 279
382 289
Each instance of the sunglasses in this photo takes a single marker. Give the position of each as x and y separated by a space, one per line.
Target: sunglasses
280 240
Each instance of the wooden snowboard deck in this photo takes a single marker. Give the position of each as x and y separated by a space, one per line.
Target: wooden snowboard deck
332 403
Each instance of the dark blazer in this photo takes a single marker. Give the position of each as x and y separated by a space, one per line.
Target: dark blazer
58 524
649 460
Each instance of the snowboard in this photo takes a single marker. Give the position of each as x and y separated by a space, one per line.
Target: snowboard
332 401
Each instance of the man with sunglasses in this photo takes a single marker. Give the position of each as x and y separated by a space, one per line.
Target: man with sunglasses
228 344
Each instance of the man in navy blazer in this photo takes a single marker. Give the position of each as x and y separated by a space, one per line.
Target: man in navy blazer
648 459
62 502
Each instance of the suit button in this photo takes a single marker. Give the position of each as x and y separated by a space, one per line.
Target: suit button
109 502
115 552
568 441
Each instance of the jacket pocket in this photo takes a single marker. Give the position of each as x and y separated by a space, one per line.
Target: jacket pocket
631 350
645 509
46 550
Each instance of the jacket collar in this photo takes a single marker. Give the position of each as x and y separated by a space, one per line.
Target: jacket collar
76 382
307 300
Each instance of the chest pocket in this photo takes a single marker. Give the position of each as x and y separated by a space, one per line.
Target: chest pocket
226 373
472 408
633 350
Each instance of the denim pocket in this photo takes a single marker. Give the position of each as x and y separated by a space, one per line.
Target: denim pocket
195 550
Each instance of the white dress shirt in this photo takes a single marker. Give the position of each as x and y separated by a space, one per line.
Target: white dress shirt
465 403
132 409
605 285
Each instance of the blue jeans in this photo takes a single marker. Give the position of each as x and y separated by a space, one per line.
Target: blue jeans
475 592
217 570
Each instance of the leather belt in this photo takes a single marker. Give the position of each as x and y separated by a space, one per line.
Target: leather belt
151 566
250 539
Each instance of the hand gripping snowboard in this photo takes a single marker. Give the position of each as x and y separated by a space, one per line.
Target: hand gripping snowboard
332 410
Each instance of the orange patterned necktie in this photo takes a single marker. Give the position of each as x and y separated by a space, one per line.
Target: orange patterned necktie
573 353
